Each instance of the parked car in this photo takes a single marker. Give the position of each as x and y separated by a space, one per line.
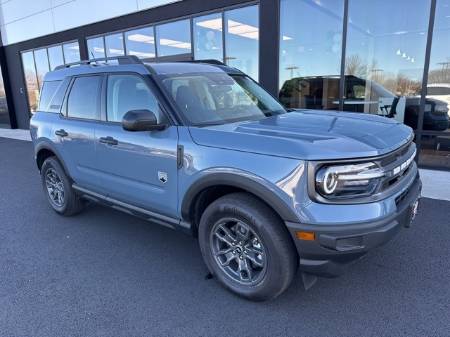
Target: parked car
441 93
202 148
362 96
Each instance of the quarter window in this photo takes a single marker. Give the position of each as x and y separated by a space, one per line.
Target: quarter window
129 92
48 91
83 100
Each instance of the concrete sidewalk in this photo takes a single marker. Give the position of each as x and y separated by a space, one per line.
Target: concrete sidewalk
436 184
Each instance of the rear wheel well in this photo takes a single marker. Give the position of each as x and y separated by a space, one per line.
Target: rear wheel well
42 155
210 194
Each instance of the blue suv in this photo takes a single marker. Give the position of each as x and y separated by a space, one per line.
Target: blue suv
200 147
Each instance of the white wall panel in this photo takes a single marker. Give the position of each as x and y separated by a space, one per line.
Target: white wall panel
24 19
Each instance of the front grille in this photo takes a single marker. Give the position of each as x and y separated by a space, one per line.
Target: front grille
397 165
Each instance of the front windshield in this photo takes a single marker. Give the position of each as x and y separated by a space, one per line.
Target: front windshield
210 98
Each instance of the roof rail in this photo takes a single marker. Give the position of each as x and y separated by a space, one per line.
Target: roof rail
209 61
128 59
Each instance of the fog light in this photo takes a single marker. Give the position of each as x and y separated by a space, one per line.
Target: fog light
306 236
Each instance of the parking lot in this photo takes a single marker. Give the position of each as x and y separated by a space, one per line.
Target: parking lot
105 273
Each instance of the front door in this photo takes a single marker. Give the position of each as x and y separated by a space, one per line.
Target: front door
138 168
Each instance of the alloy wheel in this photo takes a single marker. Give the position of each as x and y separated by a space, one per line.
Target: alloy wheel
238 251
55 187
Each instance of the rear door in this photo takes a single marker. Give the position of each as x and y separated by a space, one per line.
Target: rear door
75 131
138 168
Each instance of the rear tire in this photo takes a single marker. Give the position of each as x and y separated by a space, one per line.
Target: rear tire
58 188
247 247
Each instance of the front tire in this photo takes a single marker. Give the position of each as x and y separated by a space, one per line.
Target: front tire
247 247
57 187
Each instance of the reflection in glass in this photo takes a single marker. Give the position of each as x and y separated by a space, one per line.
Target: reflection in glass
173 38
242 39
436 147
208 37
30 80
42 66
385 58
310 63
55 56
140 42
96 48
114 45
4 115
71 52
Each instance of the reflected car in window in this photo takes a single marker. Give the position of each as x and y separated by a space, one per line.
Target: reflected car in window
363 96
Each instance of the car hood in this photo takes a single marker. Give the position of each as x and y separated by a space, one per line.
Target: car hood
309 135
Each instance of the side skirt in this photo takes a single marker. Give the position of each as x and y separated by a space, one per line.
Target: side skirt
145 214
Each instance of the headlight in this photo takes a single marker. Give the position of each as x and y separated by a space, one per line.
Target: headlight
348 181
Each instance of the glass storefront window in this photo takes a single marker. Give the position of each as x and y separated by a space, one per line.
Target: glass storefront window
55 56
141 43
385 57
114 45
96 48
71 52
242 39
436 136
173 38
42 66
31 83
310 64
4 114
208 42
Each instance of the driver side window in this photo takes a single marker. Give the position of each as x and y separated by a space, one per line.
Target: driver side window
129 92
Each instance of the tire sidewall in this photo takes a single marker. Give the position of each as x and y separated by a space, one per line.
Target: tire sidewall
52 163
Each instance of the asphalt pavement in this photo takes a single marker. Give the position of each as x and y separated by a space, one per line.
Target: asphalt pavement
106 273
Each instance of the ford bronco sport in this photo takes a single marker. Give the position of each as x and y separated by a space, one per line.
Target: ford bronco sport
202 148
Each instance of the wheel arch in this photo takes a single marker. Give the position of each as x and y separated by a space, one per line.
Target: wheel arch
45 150
215 185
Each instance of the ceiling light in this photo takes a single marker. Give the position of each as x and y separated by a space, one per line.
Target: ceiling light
404 55
141 38
215 24
174 43
141 54
242 29
398 52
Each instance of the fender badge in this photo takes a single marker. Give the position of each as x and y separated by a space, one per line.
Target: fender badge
162 176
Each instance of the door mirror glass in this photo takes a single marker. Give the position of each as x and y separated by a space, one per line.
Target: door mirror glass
141 120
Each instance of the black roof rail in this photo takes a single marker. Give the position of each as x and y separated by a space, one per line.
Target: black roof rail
128 59
209 61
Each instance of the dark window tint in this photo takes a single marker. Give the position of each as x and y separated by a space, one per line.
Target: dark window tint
129 92
48 92
84 98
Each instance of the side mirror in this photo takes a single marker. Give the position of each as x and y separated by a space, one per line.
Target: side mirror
141 120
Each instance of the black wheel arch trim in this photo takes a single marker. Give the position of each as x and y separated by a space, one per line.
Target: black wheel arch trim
47 145
241 182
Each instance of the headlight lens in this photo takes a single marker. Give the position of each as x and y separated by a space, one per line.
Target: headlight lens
348 181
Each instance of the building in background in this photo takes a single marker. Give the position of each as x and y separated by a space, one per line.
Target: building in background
390 58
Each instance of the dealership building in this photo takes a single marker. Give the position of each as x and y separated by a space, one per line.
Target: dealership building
385 57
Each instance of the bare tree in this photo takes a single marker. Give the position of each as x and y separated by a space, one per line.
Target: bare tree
355 66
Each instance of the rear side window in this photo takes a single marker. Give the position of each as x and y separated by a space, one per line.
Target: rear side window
84 98
49 96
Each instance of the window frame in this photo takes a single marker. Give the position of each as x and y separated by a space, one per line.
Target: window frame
65 106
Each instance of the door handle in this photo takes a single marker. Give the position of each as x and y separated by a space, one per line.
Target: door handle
108 140
61 133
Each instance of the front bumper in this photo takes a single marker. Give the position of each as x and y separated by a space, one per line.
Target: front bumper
336 246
